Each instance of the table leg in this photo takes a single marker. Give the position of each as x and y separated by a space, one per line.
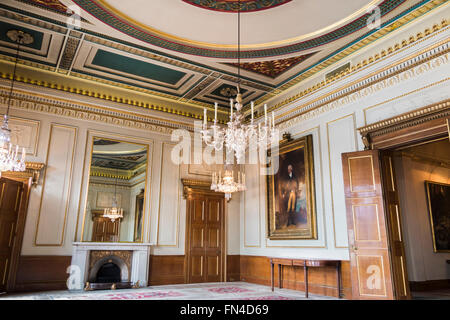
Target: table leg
280 270
271 267
305 269
338 270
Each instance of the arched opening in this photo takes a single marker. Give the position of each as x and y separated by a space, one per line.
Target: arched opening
108 273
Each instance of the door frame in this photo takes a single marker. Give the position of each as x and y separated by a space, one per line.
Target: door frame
29 178
202 187
20 229
416 127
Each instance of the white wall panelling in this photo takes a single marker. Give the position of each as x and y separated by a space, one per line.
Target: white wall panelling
56 186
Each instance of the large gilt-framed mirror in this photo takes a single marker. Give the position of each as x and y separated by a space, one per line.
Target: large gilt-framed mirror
116 184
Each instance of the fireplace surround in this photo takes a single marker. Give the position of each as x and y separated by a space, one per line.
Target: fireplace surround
132 259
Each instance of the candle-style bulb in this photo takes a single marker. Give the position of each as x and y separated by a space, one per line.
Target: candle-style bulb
204 116
273 119
253 105
231 107
265 113
215 111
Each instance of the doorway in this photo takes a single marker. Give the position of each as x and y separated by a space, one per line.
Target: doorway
374 201
205 236
13 207
423 178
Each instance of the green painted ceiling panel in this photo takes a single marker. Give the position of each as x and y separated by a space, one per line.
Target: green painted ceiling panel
139 68
38 36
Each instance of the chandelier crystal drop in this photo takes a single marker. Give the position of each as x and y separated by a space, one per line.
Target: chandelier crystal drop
237 136
114 212
9 154
227 184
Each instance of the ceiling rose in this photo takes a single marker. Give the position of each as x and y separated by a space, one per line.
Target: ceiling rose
233 5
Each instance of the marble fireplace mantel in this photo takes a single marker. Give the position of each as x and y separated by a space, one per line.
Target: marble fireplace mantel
139 262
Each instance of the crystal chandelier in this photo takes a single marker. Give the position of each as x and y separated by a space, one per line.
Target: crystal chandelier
114 212
236 136
227 184
9 154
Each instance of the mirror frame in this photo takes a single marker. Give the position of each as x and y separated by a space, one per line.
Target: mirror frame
91 136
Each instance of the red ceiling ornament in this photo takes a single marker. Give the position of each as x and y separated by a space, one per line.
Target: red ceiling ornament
273 68
53 5
233 5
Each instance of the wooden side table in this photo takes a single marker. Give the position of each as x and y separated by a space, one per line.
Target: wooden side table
281 262
324 263
305 264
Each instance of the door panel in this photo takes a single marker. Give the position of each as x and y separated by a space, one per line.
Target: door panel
398 256
367 230
10 199
213 237
204 231
213 268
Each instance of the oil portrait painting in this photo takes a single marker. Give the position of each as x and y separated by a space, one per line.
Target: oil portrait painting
438 196
291 199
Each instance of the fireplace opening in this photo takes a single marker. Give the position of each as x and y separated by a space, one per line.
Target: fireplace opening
108 273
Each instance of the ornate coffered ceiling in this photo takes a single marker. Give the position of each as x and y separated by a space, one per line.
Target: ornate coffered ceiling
178 52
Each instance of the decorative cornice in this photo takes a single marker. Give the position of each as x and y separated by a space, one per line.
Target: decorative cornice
33 171
383 54
116 99
37 103
413 66
409 119
189 185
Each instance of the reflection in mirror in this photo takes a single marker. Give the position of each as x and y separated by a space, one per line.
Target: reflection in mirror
117 179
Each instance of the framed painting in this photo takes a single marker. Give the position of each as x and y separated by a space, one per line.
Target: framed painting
438 198
291 192
138 216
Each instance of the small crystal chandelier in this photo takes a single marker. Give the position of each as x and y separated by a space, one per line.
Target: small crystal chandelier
237 135
9 154
114 212
227 184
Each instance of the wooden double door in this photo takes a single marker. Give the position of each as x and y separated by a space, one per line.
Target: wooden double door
205 237
377 254
104 230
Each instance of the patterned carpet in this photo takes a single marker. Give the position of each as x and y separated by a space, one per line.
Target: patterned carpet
206 291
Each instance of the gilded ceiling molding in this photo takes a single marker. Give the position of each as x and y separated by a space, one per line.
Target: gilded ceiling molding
99 95
425 9
366 81
310 111
34 22
33 102
101 10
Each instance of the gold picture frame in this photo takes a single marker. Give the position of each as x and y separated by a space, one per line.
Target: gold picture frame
438 195
138 222
291 192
